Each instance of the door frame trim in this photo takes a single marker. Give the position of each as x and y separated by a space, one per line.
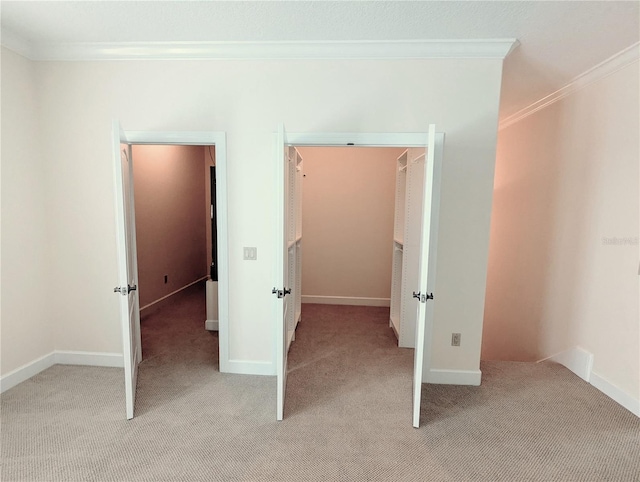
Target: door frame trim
360 139
219 141
350 139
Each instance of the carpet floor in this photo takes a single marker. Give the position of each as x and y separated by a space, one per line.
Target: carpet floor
347 414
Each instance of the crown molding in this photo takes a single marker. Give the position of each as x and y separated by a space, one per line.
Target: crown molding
294 50
16 43
613 64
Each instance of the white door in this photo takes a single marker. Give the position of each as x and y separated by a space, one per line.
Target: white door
127 264
427 270
282 289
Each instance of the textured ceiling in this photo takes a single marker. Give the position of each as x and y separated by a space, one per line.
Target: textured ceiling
559 40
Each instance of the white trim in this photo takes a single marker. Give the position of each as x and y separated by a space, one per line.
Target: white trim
16 43
248 367
219 140
85 358
222 220
91 359
576 359
346 300
580 362
613 64
26 371
453 377
358 139
274 50
616 394
211 325
178 138
173 293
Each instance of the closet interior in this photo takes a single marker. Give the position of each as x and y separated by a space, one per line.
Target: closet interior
409 186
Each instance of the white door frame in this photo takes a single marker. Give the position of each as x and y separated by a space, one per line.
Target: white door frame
219 141
361 139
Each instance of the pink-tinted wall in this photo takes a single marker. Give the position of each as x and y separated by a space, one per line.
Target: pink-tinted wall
347 221
171 232
563 258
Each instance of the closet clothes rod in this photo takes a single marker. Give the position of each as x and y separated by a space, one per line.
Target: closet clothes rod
293 242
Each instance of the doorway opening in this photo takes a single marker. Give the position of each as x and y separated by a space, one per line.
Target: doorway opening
348 212
175 242
341 259
417 234
212 145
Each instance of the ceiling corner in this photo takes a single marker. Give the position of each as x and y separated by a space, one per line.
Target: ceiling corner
17 44
515 43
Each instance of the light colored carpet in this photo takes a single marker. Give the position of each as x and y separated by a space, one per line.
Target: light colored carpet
348 415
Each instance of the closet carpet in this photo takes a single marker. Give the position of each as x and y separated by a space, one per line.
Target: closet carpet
348 415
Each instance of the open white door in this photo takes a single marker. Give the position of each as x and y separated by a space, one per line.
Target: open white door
127 264
282 288
427 271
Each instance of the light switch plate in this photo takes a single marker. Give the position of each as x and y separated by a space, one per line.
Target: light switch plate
250 253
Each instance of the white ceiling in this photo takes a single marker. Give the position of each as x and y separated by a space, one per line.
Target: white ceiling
558 40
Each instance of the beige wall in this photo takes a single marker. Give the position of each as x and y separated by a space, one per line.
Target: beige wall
347 221
27 281
171 234
566 185
247 99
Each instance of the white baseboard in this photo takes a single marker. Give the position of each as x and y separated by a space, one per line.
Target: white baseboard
84 358
31 369
616 394
211 325
90 359
248 367
148 305
580 362
453 377
346 300
25 372
576 359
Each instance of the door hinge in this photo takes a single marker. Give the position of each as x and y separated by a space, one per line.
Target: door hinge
422 297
